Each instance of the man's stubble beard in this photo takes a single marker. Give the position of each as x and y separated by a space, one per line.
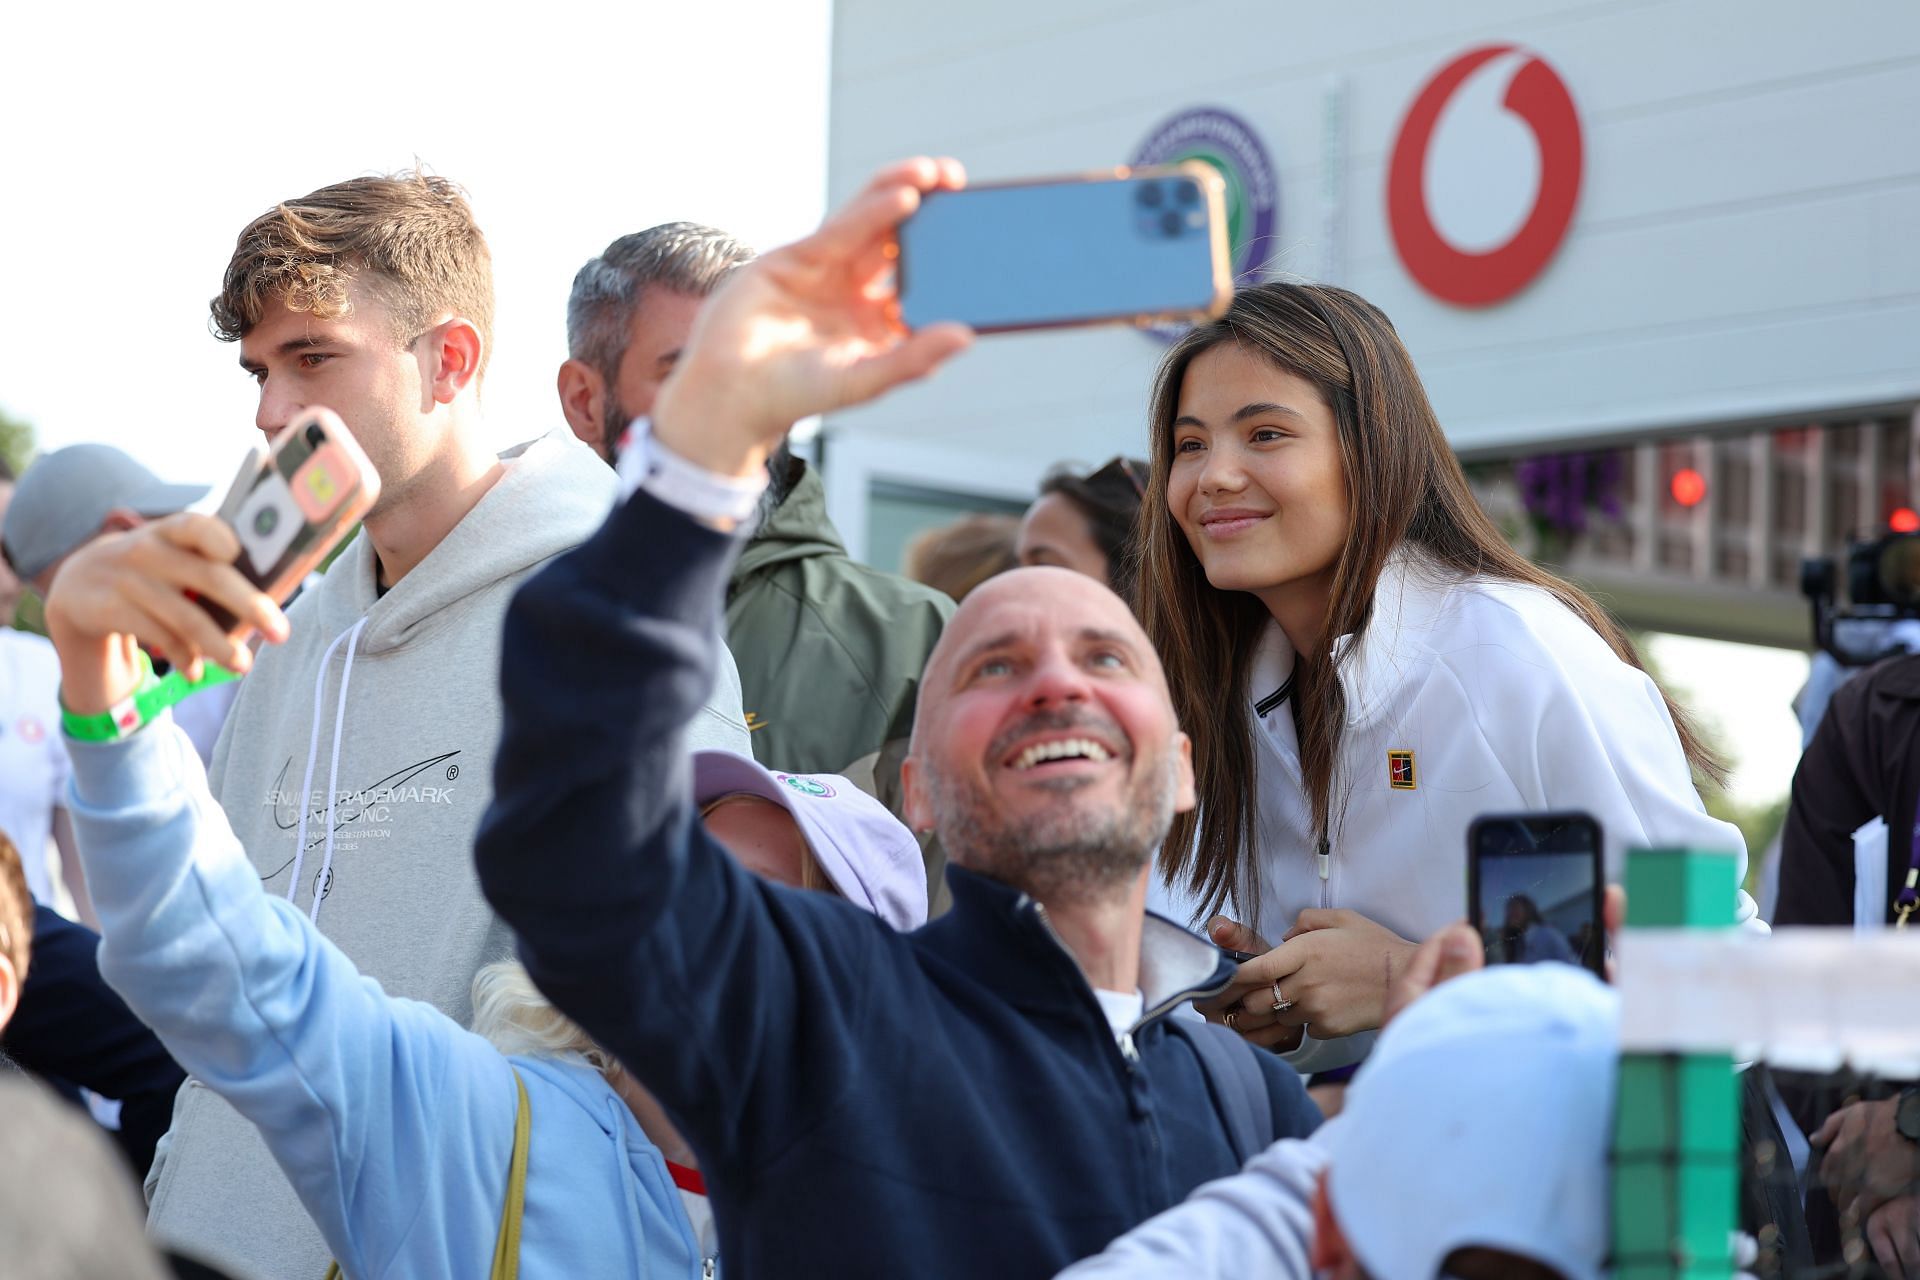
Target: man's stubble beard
614 421
1061 855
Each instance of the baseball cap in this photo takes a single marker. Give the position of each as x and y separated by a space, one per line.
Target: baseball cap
65 496
871 857
1482 1120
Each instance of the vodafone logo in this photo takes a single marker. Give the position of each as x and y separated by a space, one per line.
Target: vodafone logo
1484 175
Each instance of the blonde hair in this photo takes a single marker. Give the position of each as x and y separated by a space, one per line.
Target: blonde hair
510 1013
409 236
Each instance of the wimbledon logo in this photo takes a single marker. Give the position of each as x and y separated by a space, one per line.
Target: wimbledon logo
1228 143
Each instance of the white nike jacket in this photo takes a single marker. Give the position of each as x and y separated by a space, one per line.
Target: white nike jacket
1476 697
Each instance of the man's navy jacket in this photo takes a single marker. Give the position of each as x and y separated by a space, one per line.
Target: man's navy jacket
950 1102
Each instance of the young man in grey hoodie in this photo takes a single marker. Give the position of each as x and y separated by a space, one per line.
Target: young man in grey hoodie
356 762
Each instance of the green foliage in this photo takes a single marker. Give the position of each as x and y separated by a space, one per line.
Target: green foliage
16 449
30 614
1760 822
16 442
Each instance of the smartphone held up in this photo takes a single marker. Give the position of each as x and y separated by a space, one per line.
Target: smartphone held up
295 503
1535 887
1129 246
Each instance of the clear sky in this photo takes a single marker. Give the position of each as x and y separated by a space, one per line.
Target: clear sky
139 139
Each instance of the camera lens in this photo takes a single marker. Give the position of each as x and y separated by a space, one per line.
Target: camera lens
1172 223
1187 193
1900 570
315 436
1150 195
266 520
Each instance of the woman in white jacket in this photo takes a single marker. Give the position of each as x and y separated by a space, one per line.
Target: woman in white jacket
1365 665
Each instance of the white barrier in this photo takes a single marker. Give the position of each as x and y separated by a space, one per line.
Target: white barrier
1804 999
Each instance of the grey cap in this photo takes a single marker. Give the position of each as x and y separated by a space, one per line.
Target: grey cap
65 496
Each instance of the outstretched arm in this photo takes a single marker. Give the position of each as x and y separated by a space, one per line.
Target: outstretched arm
240 987
630 918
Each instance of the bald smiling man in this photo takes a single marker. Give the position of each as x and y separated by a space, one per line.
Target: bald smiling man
997 1093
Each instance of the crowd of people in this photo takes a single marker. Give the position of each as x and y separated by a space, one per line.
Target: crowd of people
596 871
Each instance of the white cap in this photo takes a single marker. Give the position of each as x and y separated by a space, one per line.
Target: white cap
871 857
1483 1120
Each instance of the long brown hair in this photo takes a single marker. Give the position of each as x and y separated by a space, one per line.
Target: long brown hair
1403 485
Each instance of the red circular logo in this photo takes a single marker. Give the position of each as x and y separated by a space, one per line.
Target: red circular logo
31 730
1477 275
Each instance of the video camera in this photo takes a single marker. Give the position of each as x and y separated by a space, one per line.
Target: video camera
1883 589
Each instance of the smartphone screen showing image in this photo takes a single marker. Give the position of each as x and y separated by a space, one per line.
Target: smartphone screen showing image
1535 887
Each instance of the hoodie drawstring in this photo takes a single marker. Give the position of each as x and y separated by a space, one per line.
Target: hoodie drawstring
352 637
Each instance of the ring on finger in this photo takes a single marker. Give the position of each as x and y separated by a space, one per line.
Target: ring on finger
1232 1019
1280 1003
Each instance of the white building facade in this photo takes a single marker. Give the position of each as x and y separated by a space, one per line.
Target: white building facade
1678 229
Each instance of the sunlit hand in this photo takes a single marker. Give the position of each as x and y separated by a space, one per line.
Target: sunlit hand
803 330
127 590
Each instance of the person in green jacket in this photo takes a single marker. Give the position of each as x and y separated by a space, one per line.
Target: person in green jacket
830 651
835 647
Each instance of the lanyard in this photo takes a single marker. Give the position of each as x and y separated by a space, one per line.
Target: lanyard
1909 897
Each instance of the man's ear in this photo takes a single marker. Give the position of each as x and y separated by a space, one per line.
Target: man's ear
582 396
1184 797
913 786
121 519
9 991
453 352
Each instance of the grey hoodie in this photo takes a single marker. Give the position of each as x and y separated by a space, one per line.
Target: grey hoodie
384 712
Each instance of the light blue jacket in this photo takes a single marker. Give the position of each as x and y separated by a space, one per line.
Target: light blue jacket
393 1123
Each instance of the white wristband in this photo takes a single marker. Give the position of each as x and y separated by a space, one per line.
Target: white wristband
645 463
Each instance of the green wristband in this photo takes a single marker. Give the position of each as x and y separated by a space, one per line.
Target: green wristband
149 698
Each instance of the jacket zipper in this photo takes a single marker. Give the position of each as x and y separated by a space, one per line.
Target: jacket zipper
1125 1039
1323 862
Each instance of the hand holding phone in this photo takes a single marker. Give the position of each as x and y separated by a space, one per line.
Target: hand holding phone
803 330
294 505
127 591
1536 888
1139 246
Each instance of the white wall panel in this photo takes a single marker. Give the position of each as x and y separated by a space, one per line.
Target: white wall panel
1747 243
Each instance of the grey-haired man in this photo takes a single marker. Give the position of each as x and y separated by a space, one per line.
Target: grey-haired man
627 318
797 601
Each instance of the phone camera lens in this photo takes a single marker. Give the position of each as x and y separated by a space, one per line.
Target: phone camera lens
315 436
1172 223
1150 195
265 521
1187 193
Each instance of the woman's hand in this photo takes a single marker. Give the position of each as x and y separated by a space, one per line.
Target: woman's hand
1257 1026
125 591
1332 971
1453 951
805 329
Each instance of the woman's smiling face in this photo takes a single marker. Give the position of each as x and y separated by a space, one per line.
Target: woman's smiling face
1256 482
